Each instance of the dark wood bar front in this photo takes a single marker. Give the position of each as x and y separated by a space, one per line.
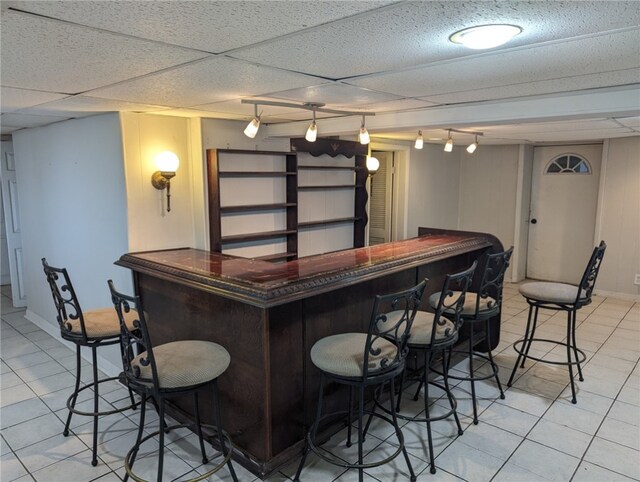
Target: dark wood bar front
268 316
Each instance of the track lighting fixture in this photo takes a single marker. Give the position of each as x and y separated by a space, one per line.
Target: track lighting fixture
448 147
252 127
312 131
364 134
472 147
419 141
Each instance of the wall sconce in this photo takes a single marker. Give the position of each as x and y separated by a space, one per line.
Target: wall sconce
373 164
168 164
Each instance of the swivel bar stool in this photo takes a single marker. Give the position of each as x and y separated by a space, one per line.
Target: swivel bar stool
362 360
435 334
559 297
478 309
92 329
169 370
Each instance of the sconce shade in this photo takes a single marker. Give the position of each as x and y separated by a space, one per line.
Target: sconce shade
472 147
312 132
419 141
167 161
373 164
252 128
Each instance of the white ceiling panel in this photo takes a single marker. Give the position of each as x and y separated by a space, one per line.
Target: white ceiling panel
82 105
245 110
585 56
549 127
540 87
394 105
210 80
196 113
211 26
44 54
27 120
335 94
14 99
416 33
633 122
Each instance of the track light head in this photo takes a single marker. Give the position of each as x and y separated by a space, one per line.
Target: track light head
473 146
252 127
363 135
419 141
448 147
312 131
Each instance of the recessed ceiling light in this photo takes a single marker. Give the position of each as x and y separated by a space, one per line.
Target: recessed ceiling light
485 36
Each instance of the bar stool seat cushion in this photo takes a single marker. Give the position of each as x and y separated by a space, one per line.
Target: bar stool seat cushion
102 323
343 354
182 364
487 304
552 292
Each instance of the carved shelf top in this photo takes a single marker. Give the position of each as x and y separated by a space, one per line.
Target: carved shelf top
266 284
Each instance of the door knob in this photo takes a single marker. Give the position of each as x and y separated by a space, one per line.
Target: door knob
534 221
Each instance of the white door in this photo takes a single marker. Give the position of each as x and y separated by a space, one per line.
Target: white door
564 195
12 222
380 195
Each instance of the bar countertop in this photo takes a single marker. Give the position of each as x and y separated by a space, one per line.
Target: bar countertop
264 284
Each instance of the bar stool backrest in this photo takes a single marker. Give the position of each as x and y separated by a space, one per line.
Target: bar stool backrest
66 302
588 281
495 267
407 302
135 342
451 305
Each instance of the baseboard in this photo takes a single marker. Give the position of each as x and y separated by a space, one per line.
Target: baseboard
620 296
105 365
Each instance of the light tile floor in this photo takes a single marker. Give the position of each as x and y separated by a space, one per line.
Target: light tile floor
535 434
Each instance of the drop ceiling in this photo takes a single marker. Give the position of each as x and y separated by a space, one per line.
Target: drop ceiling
69 59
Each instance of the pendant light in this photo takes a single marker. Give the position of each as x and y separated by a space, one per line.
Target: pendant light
364 134
473 146
312 131
419 141
252 127
448 147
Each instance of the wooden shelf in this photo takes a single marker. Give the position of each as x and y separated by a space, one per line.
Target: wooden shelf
238 238
327 187
274 257
325 168
256 173
255 207
309 224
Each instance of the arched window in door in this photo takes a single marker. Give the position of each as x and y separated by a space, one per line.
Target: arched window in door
568 163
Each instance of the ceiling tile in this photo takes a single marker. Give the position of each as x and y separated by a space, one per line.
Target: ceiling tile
82 105
14 99
48 55
633 122
27 120
197 113
396 105
206 25
417 33
334 94
210 80
545 62
246 110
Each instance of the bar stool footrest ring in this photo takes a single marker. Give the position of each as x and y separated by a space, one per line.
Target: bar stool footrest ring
93 414
425 419
475 378
519 349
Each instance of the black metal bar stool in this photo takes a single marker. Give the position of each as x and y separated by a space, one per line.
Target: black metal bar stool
431 335
478 309
559 297
168 370
361 360
92 329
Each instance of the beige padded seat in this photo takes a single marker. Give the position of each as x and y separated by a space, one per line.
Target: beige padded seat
486 304
422 326
343 354
553 292
102 323
185 363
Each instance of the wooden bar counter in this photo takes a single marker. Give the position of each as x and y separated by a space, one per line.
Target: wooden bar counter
268 316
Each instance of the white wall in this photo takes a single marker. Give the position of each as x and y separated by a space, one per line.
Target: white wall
433 189
619 217
523 206
150 226
73 211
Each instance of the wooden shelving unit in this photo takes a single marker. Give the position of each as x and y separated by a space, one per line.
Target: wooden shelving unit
324 222
328 187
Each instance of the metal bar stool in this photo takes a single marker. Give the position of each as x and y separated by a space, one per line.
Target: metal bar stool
478 309
433 334
92 329
175 368
361 360
559 297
